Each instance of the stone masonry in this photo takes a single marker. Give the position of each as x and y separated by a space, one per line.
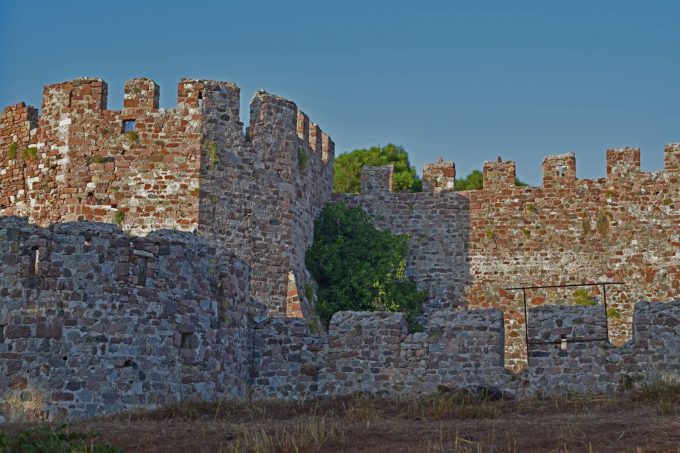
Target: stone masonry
466 247
191 168
93 321
373 352
153 255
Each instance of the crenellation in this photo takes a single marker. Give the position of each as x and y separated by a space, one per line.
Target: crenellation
327 150
671 160
499 175
79 96
189 93
465 247
175 246
140 94
303 129
376 179
439 176
559 170
623 162
315 139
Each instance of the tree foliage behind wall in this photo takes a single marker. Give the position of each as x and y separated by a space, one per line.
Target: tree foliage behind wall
347 168
358 267
475 181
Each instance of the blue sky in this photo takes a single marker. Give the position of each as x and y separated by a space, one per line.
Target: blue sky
466 80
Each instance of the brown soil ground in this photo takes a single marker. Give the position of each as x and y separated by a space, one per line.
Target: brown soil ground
361 424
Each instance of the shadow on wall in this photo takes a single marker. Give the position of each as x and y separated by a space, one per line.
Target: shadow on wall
260 192
467 246
460 350
93 321
437 222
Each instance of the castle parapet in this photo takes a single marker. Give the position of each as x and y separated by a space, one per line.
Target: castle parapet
190 93
75 96
623 162
559 170
377 179
671 160
439 176
327 148
141 94
499 175
16 122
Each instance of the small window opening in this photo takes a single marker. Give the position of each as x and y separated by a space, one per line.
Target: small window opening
2 333
141 276
35 261
129 125
200 99
560 171
185 341
563 343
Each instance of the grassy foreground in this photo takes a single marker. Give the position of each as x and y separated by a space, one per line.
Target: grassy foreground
645 419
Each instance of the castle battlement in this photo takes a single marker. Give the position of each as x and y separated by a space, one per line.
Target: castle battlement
466 247
559 171
189 168
194 293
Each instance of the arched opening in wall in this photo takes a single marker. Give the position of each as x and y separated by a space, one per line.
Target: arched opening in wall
560 171
293 302
200 99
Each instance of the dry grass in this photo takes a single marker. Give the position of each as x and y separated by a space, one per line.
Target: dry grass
661 389
456 422
304 434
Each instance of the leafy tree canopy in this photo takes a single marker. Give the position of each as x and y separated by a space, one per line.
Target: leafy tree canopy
475 181
358 267
348 168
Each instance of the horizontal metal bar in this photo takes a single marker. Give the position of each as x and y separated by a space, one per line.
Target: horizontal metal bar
564 286
569 340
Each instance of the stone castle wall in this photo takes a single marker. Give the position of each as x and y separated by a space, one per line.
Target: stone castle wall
564 367
373 352
93 321
198 290
466 247
191 168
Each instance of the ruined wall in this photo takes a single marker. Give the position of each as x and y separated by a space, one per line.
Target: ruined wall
190 169
93 321
465 247
373 352
572 366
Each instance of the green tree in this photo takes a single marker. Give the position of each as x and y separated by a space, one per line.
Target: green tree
475 181
348 166
358 267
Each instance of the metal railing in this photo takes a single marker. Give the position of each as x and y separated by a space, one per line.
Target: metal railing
562 340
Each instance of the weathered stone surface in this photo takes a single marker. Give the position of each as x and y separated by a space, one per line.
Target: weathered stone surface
466 247
96 341
95 321
189 169
372 352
